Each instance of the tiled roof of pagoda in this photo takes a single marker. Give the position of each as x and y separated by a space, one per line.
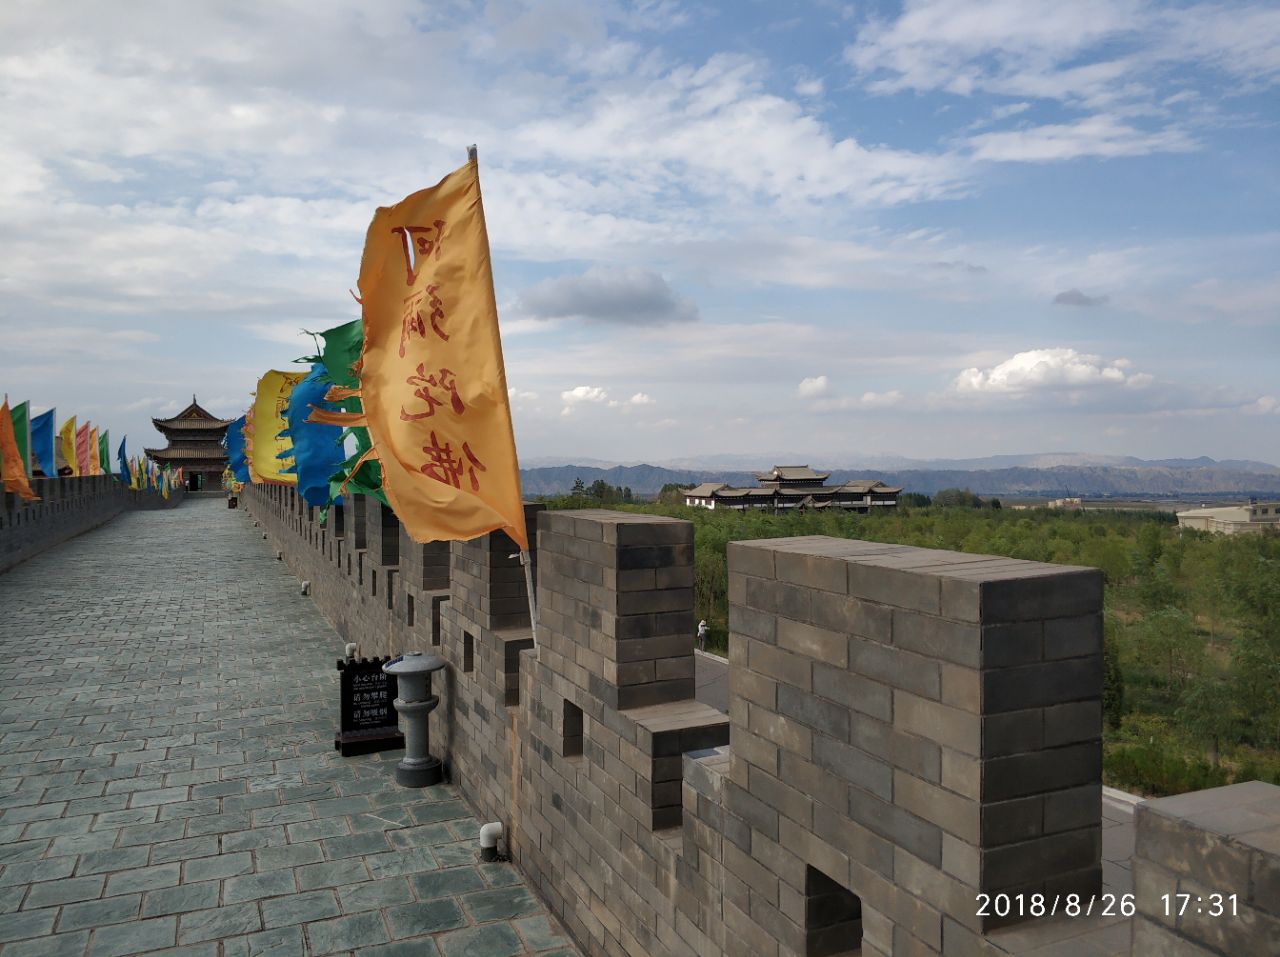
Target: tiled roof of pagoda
193 416
792 473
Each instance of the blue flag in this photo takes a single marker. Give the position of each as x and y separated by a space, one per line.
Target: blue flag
124 463
317 449
235 451
42 439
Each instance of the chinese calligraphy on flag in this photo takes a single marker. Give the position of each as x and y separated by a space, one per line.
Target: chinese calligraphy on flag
269 454
432 379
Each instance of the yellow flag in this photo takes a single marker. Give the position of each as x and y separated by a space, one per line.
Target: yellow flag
254 477
268 421
13 475
67 437
432 381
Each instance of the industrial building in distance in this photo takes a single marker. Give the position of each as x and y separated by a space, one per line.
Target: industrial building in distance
1251 519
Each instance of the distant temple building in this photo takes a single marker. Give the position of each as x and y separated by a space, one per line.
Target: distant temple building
795 486
195 446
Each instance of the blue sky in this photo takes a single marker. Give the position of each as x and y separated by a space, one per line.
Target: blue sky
824 230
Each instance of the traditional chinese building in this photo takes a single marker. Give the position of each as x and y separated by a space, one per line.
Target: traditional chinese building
795 486
195 446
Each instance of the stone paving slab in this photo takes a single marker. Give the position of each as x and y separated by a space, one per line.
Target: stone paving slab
168 783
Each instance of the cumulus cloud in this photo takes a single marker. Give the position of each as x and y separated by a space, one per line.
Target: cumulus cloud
628 296
1074 297
1049 370
641 398
814 387
578 395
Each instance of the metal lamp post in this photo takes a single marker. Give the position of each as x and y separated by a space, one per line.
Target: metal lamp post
418 769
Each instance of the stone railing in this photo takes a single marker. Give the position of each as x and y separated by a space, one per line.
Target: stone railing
908 730
68 507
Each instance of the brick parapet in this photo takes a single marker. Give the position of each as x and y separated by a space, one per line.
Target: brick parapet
907 728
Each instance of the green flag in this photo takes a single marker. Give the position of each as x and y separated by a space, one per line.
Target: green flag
104 451
338 355
21 414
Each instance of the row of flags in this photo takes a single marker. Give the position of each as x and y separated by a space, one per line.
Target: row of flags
409 403
30 448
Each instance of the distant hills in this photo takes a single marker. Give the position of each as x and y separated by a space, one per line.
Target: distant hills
1046 474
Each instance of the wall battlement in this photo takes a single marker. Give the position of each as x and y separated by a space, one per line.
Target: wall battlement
907 729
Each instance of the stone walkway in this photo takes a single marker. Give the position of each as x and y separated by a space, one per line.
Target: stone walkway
168 783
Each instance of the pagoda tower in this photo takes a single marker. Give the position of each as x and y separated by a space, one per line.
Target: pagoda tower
195 446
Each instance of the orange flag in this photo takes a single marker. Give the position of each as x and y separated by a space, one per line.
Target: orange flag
12 474
95 467
432 381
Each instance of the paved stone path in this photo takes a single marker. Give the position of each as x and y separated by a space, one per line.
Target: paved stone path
168 783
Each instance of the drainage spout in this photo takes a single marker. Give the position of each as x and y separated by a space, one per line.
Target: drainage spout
489 835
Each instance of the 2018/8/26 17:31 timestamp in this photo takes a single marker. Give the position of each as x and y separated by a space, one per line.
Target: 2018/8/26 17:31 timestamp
1210 905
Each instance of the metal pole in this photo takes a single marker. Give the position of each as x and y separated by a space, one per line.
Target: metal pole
527 562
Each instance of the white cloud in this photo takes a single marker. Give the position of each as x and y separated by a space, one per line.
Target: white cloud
641 398
1052 370
809 88
581 394
1062 378
868 400
1102 136
813 387
1264 405
880 400
1094 53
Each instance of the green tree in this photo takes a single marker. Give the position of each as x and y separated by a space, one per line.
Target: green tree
1157 590
1168 640
950 497
1112 678
578 487
1207 713
1150 544
672 493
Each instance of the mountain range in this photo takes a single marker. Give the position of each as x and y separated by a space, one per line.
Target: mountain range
1044 474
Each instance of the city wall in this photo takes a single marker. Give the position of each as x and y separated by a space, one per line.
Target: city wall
907 729
68 506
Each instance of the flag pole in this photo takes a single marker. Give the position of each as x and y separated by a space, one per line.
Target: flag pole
526 560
